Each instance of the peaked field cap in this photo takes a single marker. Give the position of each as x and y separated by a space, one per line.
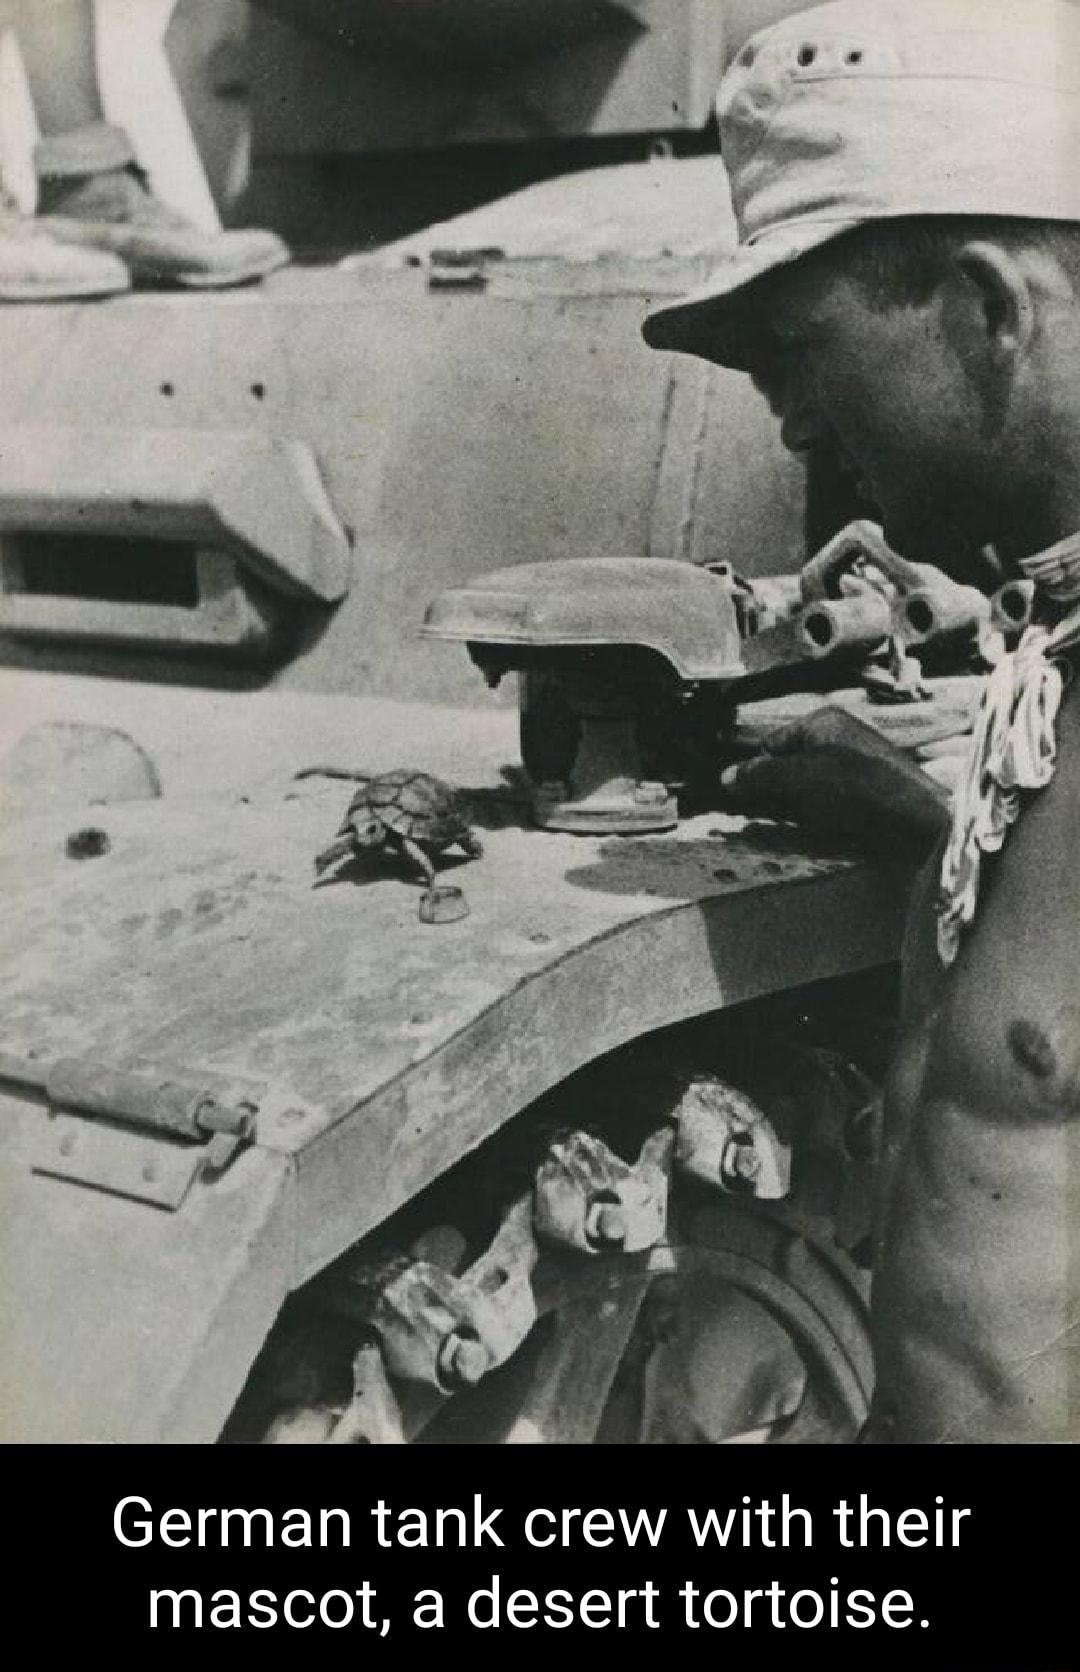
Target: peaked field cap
871 109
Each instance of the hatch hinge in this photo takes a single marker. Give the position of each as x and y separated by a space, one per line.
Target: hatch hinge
145 1132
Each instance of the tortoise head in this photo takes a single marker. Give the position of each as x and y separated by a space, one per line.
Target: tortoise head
368 830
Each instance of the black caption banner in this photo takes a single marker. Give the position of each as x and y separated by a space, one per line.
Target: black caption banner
956 1556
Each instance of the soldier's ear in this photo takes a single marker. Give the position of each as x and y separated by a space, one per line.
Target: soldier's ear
1003 295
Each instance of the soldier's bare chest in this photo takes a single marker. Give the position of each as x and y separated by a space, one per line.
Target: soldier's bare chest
998 1035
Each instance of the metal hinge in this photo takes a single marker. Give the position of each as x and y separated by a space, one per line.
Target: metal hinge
142 1132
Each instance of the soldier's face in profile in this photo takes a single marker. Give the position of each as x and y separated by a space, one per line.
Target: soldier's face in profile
882 387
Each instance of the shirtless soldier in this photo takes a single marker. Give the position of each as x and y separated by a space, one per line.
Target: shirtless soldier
906 178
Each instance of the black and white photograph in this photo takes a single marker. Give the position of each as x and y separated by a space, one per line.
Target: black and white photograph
539 764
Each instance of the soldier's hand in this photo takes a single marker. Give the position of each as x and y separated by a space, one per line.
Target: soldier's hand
838 778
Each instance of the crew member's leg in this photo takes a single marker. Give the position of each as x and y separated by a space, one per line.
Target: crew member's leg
56 43
94 202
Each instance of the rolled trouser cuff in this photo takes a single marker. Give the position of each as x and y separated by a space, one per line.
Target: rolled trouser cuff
92 149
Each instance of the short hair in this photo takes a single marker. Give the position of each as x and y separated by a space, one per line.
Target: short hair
901 261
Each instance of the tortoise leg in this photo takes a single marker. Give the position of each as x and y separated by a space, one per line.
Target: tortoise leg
329 856
471 845
413 851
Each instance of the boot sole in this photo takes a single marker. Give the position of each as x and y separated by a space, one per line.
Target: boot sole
102 235
75 291
212 281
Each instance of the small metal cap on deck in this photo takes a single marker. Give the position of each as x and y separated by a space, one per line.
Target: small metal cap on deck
445 904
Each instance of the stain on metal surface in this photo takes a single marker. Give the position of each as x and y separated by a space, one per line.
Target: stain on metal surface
682 868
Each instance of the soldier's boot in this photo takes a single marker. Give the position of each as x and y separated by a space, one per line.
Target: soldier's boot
93 195
35 267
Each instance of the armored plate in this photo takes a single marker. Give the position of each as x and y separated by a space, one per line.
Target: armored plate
198 944
196 952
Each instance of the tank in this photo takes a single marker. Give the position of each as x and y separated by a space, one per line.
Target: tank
283 1157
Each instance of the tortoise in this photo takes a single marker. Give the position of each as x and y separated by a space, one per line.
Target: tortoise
406 812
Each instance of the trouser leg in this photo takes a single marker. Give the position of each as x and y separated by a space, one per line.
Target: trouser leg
56 43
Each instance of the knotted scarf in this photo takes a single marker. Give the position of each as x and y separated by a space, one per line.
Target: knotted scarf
1014 745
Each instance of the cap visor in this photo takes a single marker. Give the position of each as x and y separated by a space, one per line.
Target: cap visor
714 321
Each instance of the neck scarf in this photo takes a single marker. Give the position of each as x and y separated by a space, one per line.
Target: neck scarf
1014 746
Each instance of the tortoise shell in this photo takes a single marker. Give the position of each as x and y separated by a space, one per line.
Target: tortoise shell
409 804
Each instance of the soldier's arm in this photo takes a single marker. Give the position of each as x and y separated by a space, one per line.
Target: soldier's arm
837 777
